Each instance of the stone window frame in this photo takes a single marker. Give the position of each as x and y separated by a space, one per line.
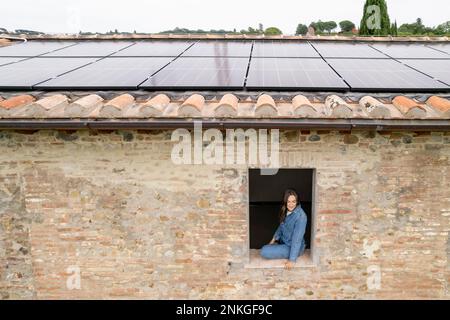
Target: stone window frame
310 259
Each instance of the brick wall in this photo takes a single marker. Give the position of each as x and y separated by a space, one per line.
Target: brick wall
113 208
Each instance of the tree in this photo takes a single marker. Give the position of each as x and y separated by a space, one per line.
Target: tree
445 27
442 29
416 28
406 28
375 20
321 26
301 29
394 29
272 31
329 26
419 27
318 26
29 32
346 26
315 26
250 31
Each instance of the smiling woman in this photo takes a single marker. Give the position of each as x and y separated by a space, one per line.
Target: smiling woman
280 205
290 233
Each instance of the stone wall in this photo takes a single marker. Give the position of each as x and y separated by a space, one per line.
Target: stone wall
112 208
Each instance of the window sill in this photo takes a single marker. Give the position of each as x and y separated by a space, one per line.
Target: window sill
258 262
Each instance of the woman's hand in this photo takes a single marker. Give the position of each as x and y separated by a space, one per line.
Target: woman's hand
289 265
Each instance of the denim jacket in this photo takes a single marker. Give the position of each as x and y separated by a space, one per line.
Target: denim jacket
292 231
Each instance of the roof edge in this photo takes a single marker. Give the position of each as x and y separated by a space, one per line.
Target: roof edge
153 124
226 37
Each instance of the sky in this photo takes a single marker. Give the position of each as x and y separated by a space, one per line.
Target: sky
69 16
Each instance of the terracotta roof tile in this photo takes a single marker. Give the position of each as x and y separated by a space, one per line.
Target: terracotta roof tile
227 106
154 107
440 104
16 101
302 107
47 107
338 107
409 107
192 106
300 101
374 107
265 106
116 107
83 106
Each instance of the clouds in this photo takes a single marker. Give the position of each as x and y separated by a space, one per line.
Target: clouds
154 16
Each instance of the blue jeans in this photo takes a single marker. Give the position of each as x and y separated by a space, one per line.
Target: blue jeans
277 251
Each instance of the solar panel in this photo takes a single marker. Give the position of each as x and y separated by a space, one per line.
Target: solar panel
291 73
32 48
438 69
4 61
383 74
441 47
157 48
206 73
409 51
219 49
346 50
223 64
26 73
108 73
90 49
283 49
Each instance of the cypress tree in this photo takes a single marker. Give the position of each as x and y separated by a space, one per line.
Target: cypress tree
394 29
371 25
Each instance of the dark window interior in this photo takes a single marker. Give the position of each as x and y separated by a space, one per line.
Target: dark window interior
266 196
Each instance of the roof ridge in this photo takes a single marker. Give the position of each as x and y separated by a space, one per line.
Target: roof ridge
231 37
124 105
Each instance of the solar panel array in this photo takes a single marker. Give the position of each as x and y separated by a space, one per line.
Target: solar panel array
225 65
292 73
204 72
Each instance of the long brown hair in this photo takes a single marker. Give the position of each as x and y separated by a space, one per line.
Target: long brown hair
283 210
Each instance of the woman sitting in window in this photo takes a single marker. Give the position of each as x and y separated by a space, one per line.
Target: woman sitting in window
290 232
